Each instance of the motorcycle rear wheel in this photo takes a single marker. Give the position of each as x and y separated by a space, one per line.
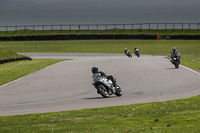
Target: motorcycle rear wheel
118 91
103 91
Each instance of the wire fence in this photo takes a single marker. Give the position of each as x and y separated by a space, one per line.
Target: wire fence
136 26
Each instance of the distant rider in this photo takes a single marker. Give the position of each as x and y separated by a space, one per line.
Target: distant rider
135 49
173 54
95 70
125 50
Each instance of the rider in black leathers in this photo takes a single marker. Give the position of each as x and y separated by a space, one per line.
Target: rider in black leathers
125 50
95 70
174 53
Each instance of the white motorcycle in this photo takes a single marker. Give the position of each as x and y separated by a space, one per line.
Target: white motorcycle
105 86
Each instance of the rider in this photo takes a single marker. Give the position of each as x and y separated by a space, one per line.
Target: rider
174 53
135 48
95 70
125 50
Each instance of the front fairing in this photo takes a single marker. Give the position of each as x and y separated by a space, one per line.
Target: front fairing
96 78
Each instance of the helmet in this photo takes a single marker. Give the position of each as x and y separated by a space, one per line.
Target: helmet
125 48
94 69
173 49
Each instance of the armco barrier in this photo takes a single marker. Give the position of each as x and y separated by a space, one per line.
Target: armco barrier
96 36
14 59
182 37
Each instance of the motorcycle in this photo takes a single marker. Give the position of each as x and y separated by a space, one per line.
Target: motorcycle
176 61
137 53
104 86
128 53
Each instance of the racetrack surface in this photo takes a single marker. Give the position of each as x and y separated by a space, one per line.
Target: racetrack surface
67 85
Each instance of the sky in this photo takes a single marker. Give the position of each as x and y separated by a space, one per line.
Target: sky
35 4
93 11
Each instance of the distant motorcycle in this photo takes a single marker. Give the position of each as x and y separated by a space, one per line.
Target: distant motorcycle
105 87
137 52
128 53
176 61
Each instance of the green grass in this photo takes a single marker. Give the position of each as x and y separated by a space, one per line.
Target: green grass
175 116
189 49
112 31
7 54
14 70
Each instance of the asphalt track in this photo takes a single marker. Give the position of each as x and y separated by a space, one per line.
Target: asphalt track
67 85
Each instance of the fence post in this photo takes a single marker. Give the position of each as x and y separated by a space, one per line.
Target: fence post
182 26
189 26
61 28
157 26
15 28
149 26
140 27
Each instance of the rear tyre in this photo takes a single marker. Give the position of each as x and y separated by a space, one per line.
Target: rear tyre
103 91
118 91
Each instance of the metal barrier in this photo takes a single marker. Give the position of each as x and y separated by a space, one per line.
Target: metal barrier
136 26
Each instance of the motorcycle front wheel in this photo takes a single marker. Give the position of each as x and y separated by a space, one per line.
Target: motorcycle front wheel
118 91
176 63
103 91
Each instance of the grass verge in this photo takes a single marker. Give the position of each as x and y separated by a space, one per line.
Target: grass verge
174 116
112 31
14 70
7 54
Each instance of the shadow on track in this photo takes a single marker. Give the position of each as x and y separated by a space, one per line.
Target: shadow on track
99 97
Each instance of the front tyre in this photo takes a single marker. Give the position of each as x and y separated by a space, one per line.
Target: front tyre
176 63
176 66
118 91
103 91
